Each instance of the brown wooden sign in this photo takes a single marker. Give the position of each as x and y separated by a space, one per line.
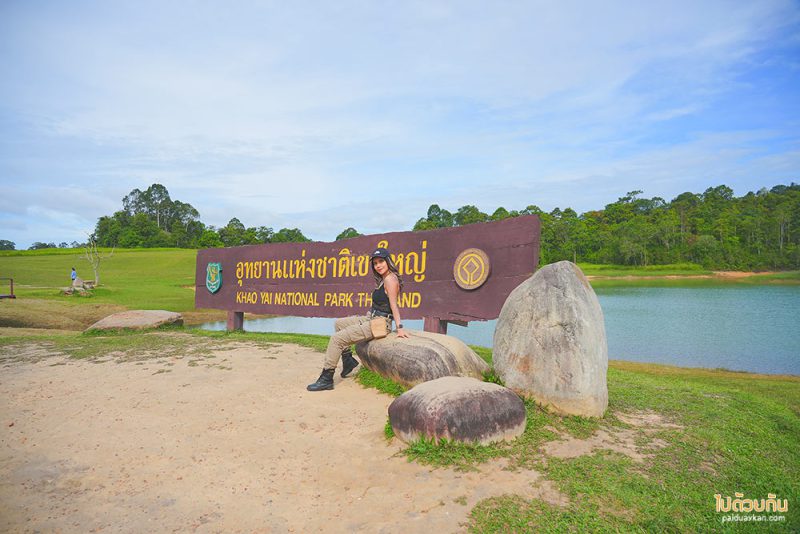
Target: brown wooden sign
453 274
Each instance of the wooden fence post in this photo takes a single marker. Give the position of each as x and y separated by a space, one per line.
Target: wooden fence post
435 325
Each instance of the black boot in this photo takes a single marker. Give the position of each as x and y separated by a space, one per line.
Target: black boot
348 362
325 381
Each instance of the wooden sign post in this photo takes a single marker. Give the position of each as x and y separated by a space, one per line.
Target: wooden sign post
450 275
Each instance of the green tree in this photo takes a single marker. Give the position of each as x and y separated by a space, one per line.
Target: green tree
264 234
435 218
38 245
7 245
468 215
289 235
595 238
500 214
532 210
233 233
109 229
210 239
176 223
563 232
623 209
758 230
160 204
705 250
666 232
347 233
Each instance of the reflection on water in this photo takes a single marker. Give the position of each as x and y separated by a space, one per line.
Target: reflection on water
745 328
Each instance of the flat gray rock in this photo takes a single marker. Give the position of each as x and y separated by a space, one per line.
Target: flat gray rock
421 357
138 320
550 342
460 409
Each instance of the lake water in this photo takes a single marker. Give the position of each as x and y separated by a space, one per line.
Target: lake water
744 328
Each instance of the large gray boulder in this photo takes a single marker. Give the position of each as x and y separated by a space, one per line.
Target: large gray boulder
460 409
138 319
421 357
550 342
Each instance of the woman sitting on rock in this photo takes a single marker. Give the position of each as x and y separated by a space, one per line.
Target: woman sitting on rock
350 330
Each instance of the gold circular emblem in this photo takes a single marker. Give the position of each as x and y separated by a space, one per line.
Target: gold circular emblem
471 268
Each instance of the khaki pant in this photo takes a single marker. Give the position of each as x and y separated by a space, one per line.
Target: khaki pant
349 330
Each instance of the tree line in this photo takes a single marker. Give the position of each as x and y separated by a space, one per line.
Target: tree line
759 230
151 218
5 244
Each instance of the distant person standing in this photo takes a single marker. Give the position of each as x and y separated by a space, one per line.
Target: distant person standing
74 275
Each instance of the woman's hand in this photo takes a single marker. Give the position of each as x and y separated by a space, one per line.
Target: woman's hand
401 332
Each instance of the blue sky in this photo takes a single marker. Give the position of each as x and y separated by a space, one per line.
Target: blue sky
324 115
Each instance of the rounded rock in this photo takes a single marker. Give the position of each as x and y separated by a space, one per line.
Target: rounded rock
421 357
550 342
459 409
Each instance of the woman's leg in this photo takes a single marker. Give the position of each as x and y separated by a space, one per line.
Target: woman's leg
354 331
344 322
348 362
348 331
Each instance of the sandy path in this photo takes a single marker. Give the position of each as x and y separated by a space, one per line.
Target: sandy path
166 446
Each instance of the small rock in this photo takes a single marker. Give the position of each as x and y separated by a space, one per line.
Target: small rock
421 357
460 409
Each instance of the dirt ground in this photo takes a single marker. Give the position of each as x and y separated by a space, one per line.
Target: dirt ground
71 314
237 445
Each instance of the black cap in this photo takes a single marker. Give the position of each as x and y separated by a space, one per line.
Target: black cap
380 253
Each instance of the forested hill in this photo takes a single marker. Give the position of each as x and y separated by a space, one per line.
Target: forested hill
760 230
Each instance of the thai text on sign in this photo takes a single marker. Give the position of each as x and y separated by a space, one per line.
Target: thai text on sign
463 273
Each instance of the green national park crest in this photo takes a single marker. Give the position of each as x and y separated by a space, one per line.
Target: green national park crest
214 277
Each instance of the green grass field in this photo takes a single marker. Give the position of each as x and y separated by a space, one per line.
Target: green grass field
677 269
681 272
137 278
725 432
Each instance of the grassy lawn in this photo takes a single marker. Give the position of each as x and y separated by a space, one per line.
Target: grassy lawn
677 269
131 279
141 278
786 276
724 432
683 271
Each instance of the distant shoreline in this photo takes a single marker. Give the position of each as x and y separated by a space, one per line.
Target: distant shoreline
722 275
